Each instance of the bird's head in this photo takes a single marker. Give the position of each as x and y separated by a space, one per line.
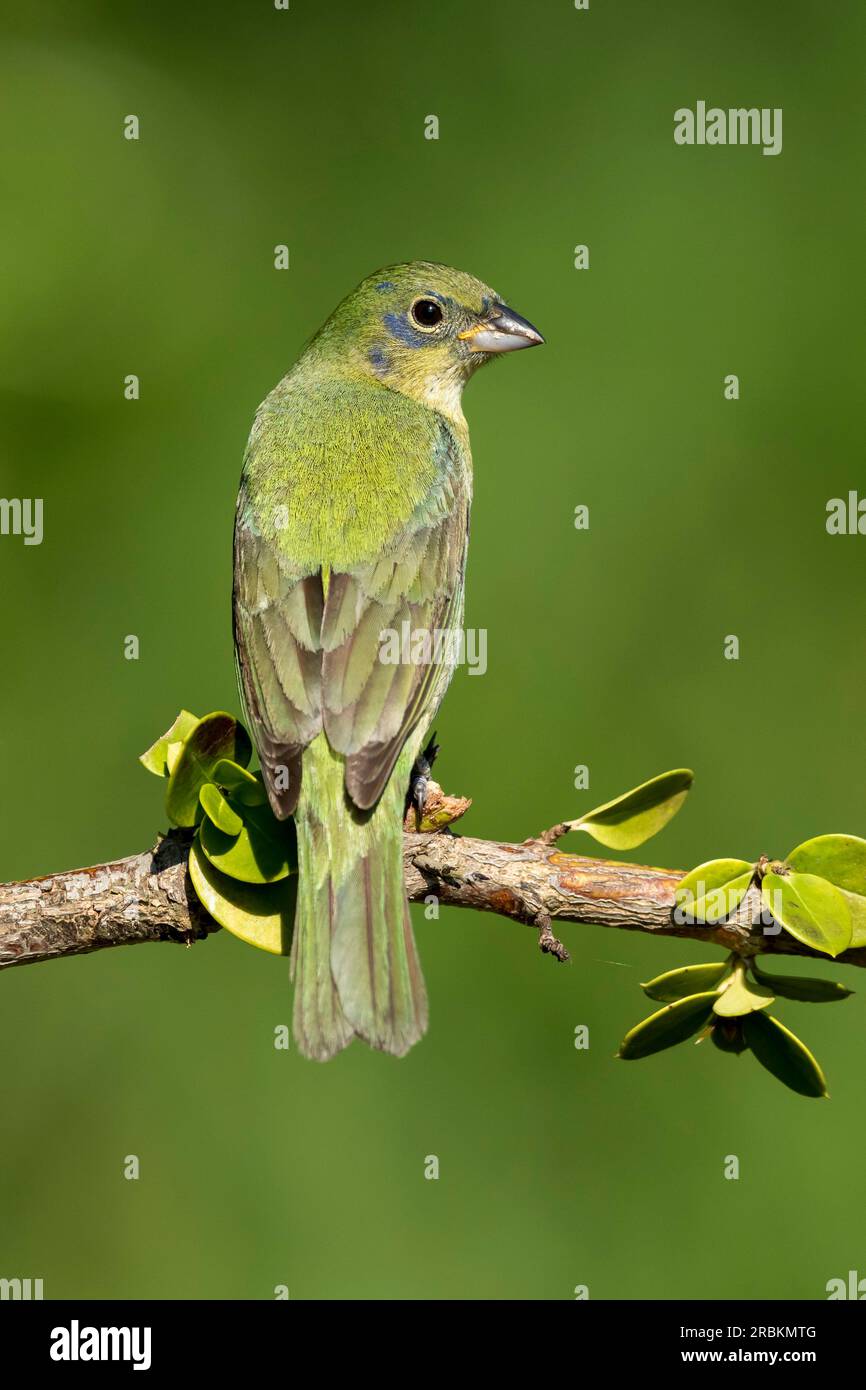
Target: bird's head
422 329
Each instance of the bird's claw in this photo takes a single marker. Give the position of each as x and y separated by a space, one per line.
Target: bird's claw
419 778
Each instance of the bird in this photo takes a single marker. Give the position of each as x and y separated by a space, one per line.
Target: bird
353 520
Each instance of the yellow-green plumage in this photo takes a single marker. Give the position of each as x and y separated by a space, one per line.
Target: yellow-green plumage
353 520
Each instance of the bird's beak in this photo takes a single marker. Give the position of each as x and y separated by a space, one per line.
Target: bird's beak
501 330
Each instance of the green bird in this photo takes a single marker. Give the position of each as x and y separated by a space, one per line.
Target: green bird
353 521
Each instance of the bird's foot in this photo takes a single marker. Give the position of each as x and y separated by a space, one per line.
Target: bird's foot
428 809
419 780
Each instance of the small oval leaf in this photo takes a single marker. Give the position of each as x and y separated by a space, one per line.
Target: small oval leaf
669 1026
841 859
782 1053
802 987
263 851
247 787
261 916
156 757
857 908
740 997
688 979
254 795
172 753
638 814
810 909
218 809
231 775
714 890
213 738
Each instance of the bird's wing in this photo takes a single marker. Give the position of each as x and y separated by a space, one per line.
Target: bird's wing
277 620
389 629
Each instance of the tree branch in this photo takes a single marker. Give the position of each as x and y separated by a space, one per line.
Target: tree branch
148 897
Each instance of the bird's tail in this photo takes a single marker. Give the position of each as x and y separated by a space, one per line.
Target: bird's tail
354 962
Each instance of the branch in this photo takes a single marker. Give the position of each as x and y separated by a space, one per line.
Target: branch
148 897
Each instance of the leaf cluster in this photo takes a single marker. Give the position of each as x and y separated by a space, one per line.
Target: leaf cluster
242 861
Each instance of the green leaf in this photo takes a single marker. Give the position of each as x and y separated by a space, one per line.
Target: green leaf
714 890
669 1026
802 987
638 814
262 852
218 809
810 909
255 795
231 775
839 858
777 1049
172 753
857 909
247 786
213 738
739 996
156 757
261 916
688 979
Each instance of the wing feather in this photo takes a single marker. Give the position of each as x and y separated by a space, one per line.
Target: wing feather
372 705
310 653
278 620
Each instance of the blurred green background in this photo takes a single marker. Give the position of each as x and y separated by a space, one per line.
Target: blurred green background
558 1167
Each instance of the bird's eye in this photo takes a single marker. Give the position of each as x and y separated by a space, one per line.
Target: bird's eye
426 313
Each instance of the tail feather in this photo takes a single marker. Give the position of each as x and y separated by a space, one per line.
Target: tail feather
374 962
354 961
321 1028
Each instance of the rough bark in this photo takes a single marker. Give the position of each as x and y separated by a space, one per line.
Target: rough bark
148 897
